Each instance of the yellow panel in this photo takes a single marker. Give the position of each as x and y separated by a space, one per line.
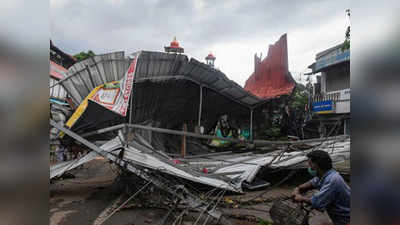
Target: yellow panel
325 112
82 107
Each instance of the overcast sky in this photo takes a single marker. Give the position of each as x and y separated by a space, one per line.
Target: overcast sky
232 30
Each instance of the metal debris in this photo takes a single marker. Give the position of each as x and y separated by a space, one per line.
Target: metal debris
155 92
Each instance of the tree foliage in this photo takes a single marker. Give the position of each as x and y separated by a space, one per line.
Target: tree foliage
264 222
299 99
346 43
84 55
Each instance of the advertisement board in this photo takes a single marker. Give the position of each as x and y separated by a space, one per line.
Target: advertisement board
320 107
112 95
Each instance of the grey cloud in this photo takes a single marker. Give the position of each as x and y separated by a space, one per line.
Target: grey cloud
149 25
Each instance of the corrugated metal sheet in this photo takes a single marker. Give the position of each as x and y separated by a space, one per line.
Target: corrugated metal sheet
163 66
227 171
57 92
271 77
167 90
60 168
83 76
218 81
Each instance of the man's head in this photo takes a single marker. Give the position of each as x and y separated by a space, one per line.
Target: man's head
320 161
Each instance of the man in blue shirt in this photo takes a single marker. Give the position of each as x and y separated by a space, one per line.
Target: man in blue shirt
334 193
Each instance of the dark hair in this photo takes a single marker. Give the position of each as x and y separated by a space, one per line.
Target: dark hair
321 158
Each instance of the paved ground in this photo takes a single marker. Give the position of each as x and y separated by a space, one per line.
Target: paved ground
85 199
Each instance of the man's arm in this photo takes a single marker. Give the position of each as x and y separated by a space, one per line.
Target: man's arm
303 188
300 198
300 189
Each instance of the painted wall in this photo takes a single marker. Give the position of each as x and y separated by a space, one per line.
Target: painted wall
343 106
337 78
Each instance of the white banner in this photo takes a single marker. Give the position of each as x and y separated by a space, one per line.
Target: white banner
115 95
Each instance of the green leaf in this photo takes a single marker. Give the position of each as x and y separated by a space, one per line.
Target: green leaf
83 55
263 222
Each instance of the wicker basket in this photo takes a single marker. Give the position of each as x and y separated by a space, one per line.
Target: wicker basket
287 212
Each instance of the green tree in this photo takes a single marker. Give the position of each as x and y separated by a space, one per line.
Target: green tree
84 55
299 99
346 43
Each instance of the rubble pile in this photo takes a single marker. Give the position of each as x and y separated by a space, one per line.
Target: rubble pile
176 123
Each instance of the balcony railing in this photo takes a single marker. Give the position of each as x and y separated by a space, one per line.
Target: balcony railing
341 95
330 96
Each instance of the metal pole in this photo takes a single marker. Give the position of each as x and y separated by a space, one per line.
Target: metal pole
183 149
190 134
104 130
200 106
251 124
75 136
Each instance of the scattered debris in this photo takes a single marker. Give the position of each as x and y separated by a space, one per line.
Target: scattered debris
142 115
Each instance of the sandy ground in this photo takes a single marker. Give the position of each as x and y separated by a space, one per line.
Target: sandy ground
85 198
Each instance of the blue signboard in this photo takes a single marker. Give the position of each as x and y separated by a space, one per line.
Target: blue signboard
323 106
331 60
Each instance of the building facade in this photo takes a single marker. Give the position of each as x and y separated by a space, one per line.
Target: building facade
330 98
59 64
60 103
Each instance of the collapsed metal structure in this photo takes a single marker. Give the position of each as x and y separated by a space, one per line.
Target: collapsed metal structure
141 129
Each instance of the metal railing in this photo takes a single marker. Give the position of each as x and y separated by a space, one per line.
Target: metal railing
334 96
